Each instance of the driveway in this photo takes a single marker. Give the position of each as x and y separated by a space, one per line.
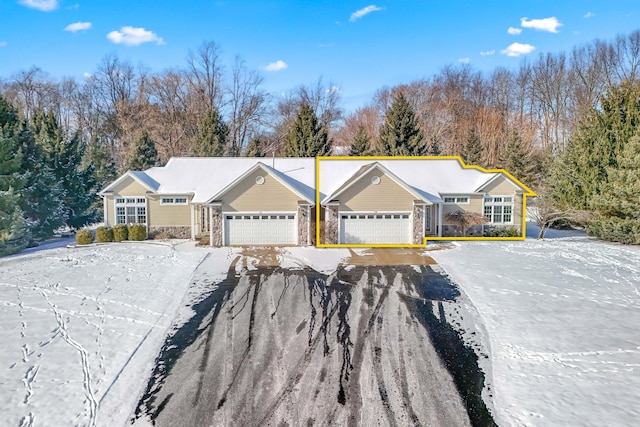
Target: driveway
293 347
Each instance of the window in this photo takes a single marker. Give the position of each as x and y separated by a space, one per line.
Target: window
173 201
456 199
499 209
131 210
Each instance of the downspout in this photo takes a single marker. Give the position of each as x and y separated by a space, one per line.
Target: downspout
440 219
210 226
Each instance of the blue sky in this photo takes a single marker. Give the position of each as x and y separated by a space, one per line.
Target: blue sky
359 46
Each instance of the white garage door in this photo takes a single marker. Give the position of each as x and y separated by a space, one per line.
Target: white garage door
375 228
253 229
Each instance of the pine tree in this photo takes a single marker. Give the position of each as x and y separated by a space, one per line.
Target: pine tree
211 138
14 234
99 161
576 178
306 137
361 145
254 148
144 154
517 159
433 148
400 135
472 149
621 193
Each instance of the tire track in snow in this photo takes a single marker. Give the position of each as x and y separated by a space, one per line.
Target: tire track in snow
84 361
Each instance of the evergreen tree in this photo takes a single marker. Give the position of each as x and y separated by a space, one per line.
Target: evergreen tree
306 137
14 234
577 177
97 156
621 193
472 149
361 145
212 136
254 148
517 159
400 135
144 154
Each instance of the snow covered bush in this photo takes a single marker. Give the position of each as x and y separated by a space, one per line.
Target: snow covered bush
137 232
501 232
84 237
104 234
120 233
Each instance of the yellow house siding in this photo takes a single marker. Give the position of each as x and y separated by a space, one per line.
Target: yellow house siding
500 187
167 215
130 187
474 205
248 196
111 212
387 196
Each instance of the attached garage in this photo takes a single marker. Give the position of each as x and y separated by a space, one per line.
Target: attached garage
376 228
260 229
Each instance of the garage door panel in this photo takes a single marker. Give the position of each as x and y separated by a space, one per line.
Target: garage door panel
375 228
271 229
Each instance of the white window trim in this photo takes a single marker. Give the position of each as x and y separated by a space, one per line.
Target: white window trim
457 201
164 201
502 204
130 202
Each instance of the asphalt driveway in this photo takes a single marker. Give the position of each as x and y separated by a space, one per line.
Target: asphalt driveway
292 347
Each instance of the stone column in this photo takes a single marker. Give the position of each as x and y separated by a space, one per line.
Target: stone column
331 224
303 225
216 226
418 223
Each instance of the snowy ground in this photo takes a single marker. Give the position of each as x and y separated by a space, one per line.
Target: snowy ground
562 318
80 329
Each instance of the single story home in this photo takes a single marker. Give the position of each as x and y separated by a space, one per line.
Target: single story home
273 201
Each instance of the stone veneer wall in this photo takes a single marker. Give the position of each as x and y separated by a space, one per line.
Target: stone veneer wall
418 225
303 228
312 227
216 223
170 232
331 224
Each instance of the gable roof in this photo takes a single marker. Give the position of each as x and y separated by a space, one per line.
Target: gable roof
301 190
204 177
510 179
418 194
430 176
140 177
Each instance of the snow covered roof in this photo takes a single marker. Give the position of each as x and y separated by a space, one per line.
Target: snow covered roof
204 177
429 177
417 193
302 190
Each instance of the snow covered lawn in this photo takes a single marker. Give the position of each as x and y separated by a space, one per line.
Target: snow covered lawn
80 328
563 322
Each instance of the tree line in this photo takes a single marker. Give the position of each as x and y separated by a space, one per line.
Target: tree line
527 120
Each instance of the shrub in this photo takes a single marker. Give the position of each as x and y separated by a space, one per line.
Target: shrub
502 232
137 232
615 230
84 237
120 233
104 234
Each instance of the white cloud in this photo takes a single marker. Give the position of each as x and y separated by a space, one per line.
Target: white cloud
276 66
333 89
43 5
589 15
514 31
132 36
488 52
464 60
78 26
547 24
364 11
87 75
517 49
